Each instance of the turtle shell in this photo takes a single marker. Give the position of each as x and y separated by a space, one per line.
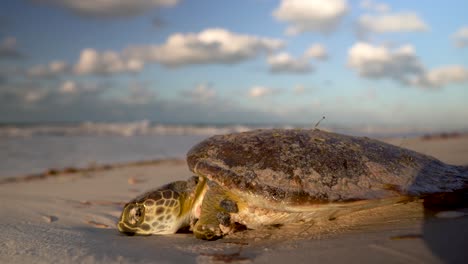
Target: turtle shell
312 166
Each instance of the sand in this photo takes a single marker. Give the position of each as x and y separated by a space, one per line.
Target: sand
70 218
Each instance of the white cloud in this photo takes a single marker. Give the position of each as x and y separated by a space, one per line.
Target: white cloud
109 8
109 62
461 37
284 63
388 23
27 100
33 96
316 51
68 87
201 93
374 6
24 98
69 92
81 88
53 69
442 76
9 48
402 65
214 45
377 62
311 15
58 66
260 91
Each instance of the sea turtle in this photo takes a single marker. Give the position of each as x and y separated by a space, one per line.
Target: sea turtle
281 176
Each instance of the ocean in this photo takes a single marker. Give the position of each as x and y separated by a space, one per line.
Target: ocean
30 149
35 148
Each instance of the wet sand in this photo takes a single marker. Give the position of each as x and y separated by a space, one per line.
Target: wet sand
70 216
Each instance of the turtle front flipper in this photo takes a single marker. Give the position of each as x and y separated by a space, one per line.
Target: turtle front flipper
215 218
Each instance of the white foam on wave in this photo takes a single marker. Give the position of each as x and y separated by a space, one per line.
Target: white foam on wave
146 127
137 128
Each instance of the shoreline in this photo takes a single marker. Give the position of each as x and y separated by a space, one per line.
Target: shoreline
93 168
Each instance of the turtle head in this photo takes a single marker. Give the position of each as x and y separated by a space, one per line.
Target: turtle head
158 213
161 211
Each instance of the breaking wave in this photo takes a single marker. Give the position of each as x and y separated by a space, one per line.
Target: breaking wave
148 128
128 129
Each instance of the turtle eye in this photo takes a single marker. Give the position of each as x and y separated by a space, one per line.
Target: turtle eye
135 214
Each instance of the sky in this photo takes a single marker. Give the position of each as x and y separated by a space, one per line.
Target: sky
383 64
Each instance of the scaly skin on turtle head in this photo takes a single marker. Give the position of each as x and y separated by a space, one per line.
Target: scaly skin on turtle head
164 210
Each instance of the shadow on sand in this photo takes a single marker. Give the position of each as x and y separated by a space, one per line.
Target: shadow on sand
445 227
447 237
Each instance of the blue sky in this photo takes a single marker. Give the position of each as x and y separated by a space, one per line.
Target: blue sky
383 64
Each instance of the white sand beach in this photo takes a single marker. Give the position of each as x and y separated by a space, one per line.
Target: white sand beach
71 217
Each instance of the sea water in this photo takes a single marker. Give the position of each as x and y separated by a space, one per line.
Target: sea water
29 149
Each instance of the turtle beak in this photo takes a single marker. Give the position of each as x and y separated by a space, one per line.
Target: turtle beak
125 230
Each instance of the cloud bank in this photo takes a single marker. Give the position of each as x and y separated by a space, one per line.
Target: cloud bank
108 8
52 70
210 46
